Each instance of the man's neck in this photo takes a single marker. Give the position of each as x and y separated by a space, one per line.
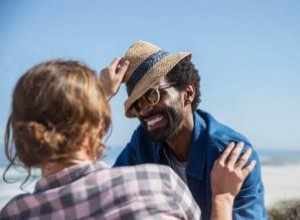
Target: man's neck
180 142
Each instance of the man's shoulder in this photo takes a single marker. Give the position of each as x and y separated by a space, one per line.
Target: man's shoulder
219 134
141 138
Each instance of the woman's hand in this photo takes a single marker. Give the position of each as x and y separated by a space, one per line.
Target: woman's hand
227 177
112 76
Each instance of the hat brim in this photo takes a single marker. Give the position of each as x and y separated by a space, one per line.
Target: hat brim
152 77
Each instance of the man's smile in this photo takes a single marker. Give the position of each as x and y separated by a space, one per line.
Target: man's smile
155 121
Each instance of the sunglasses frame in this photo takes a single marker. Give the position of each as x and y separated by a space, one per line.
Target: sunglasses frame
156 89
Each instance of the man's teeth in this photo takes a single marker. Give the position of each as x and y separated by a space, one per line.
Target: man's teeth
154 121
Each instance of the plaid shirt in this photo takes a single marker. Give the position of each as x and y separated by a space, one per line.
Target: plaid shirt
91 191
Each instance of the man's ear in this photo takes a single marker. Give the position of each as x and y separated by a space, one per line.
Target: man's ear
189 94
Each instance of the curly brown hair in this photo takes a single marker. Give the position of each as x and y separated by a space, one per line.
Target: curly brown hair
55 104
185 73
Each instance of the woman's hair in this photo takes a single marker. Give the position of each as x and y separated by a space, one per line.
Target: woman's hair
56 104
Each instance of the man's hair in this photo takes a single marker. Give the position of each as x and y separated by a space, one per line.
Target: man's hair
55 105
184 74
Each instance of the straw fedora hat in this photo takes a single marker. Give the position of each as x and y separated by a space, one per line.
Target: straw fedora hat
148 65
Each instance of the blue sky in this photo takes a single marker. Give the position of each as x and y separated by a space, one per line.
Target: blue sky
247 52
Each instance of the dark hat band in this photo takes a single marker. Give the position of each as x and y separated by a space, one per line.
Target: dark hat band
146 65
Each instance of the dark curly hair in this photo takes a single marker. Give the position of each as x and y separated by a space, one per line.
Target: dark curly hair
185 73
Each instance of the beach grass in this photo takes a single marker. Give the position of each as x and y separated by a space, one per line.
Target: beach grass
286 210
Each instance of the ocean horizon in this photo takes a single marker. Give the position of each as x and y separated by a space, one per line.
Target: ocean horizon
267 156
109 156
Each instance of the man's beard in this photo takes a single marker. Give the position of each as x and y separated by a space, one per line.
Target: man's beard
173 114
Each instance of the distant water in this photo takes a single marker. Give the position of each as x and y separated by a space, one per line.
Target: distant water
279 157
7 191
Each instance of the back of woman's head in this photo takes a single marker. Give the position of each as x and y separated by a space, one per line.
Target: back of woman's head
56 104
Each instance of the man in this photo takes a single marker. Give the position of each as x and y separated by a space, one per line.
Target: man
163 93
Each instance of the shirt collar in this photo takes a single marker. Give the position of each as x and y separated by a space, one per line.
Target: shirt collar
197 149
68 175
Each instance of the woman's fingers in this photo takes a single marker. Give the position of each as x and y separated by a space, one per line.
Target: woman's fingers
243 159
223 158
247 170
230 158
122 68
235 154
115 63
112 76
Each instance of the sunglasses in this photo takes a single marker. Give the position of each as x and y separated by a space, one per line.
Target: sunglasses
151 97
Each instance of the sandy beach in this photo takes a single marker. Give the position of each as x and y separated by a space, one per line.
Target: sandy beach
282 183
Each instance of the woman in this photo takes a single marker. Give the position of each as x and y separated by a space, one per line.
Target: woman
59 116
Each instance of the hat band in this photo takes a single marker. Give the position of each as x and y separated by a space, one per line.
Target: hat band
146 65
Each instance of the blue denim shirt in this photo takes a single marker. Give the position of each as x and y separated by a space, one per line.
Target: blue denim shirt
209 140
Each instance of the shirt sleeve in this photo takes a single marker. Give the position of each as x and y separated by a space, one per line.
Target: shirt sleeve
126 158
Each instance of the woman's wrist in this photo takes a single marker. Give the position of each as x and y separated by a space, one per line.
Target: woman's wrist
225 199
222 206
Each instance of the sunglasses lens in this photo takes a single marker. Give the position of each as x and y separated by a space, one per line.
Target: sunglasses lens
135 107
152 96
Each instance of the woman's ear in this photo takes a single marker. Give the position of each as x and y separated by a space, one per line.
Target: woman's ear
189 94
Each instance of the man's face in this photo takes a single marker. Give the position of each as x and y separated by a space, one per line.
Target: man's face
162 120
